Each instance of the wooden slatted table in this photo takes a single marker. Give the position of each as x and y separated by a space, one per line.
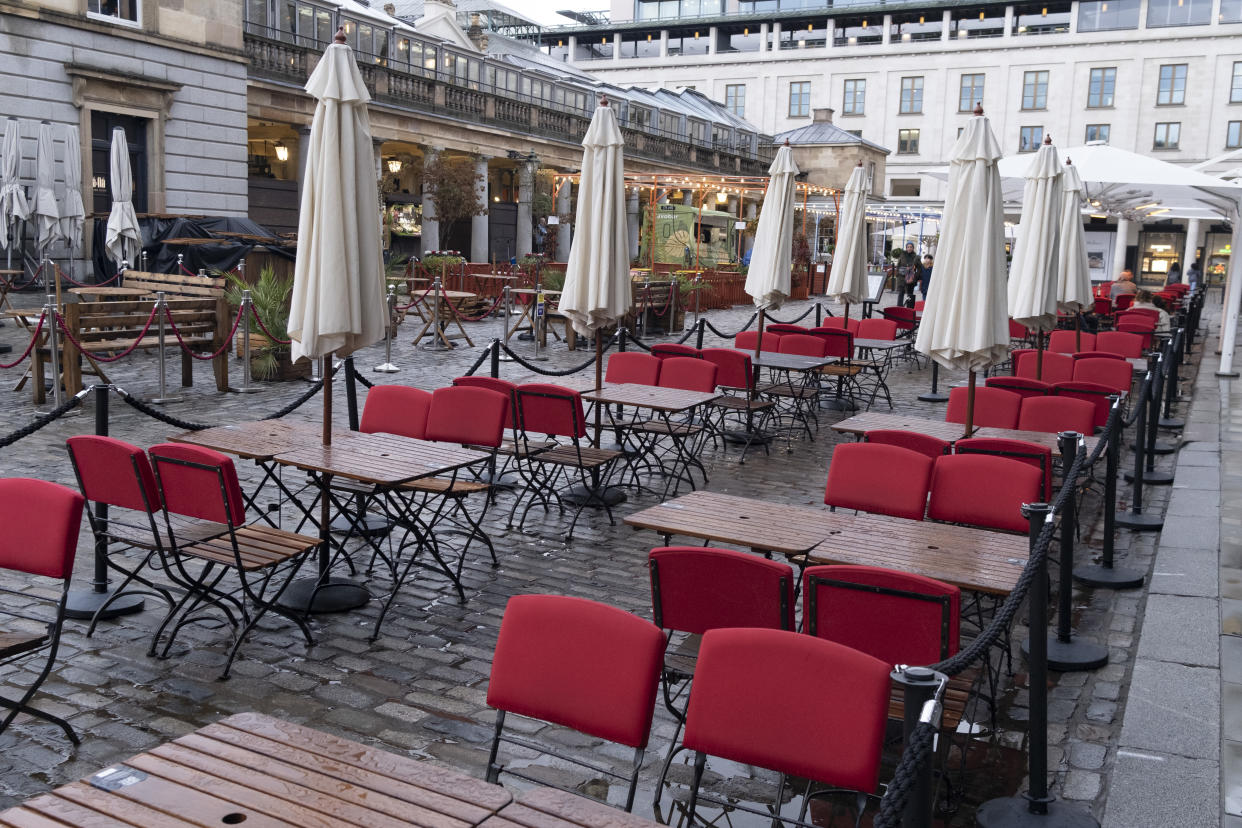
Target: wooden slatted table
860 424
972 559
653 397
255 770
261 440
1043 438
552 808
383 460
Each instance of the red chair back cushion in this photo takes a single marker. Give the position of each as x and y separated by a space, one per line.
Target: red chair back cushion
735 712
733 368
688 374
41 523
500 386
672 349
1021 386
876 329
578 663
1116 374
697 588
114 472
1091 392
804 345
631 366
1126 344
994 407
470 416
924 444
873 477
1033 454
1054 367
198 483
1069 342
1057 414
550 409
983 490
746 340
783 328
396 409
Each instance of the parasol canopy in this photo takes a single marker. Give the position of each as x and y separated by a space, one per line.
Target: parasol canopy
1033 279
44 209
123 238
13 206
73 212
1073 272
768 279
848 281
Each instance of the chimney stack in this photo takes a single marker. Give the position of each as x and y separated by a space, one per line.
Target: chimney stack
822 116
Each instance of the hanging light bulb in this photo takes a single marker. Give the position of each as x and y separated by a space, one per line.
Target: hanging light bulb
282 152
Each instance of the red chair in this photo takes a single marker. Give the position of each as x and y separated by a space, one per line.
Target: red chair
1055 367
885 329
735 373
494 384
1097 355
994 407
1102 307
688 374
838 323
924 444
1140 316
906 318
746 341
117 475
884 479
41 523
1140 330
202 484
551 412
1123 301
633 367
1019 332
578 664
1057 414
1116 374
783 328
1070 342
805 345
836 741
1015 355
672 349
919 305
1033 454
981 490
1091 392
396 409
1128 345
1021 386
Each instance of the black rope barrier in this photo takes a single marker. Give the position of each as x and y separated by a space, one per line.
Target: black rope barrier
45 420
551 372
150 411
795 321
291 407
918 750
689 333
754 316
365 382
636 341
487 352
1137 406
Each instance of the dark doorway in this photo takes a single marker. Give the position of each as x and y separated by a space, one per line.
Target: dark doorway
501 231
102 124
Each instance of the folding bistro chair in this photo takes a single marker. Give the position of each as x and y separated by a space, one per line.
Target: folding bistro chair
673 448
746 341
1056 367
736 713
994 407
1021 386
556 413
925 444
41 522
1124 343
1115 374
1057 414
1093 392
735 375
202 484
1032 454
979 490
500 478
1070 342
579 664
665 350
878 478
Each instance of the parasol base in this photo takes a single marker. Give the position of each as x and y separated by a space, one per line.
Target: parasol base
1228 374
1073 656
1172 422
1018 812
1108 577
579 495
85 603
840 404
436 345
1159 447
6 349
930 397
743 437
368 526
335 595
1154 478
1139 522
386 368
164 400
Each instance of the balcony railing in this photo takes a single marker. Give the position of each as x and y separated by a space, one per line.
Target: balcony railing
279 60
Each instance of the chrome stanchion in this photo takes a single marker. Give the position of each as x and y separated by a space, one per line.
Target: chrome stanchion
142 257
245 311
160 306
391 304
50 312
504 326
180 260
439 339
537 326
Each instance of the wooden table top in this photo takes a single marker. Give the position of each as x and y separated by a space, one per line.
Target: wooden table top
1043 438
669 400
881 344
972 559
110 292
490 276
260 440
551 808
532 291
446 294
378 459
255 770
869 421
789 362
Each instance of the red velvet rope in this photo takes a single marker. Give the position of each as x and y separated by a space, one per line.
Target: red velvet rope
266 332
228 340
29 347
60 322
75 282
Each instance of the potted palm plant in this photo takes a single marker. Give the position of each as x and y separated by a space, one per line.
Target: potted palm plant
269 296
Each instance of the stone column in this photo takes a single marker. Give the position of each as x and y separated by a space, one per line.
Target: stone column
564 230
1074 17
526 193
616 48
663 43
887 22
776 36
763 37
431 227
946 25
712 34
1119 248
1008 22
633 220
1192 241
479 232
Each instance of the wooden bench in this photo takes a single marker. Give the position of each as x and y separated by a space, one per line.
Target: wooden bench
176 285
112 327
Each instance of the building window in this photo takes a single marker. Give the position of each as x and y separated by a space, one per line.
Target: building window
799 99
960 130
1178 13
905 187
1035 90
855 97
1097 132
1168 135
102 124
1233 135
1105 15
1029 138
121 11
971 92
735 99
1235 89
907 141
1230 11
857 133
671 9
1100 91
911 96
1172 85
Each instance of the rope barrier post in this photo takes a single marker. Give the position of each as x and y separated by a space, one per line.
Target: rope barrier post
180 261
246 310
391 304
1135 519
506 298
621 337
934 394
919 685
494 367
1105 574
537 327
142 258
819 314
161 308
98 599
698 333
1171 393
1155 446
1036 807
52 311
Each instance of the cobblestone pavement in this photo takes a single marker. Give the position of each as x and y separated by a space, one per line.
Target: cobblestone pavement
420 689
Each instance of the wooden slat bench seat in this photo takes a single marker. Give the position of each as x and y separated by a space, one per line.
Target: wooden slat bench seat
177 284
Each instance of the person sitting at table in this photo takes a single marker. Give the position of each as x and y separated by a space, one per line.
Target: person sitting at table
1144 299
1123 285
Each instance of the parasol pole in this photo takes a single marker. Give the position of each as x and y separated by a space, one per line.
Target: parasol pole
1078 330
758 348
1039 355
970 405
325 371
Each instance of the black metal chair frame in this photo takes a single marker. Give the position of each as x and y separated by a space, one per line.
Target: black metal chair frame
48 645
